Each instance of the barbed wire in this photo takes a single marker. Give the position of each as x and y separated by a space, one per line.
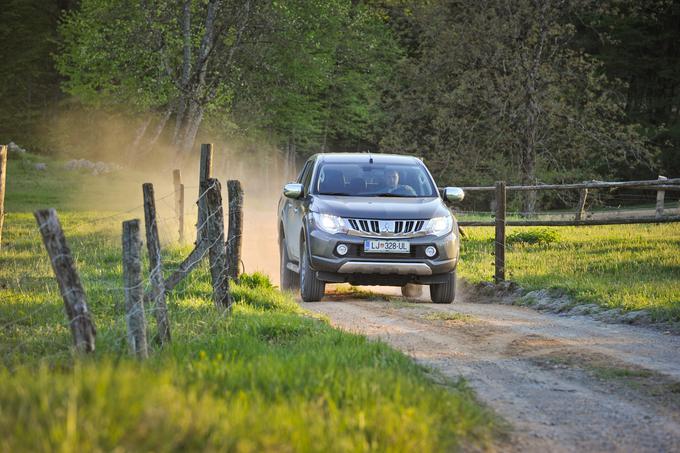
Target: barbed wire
114 334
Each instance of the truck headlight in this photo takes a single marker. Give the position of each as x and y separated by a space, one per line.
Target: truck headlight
329 223
439 226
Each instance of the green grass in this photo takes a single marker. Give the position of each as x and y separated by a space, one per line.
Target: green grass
269 377
631 267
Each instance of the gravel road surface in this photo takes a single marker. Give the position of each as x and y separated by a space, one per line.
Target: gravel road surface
563 383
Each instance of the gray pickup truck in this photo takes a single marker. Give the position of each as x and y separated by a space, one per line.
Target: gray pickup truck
367 219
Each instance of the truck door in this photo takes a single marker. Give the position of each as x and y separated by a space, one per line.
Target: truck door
293 213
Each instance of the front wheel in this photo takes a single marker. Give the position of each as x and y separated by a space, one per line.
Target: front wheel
289 279
311 288
444 293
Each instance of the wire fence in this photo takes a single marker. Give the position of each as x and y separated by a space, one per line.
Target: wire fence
32 323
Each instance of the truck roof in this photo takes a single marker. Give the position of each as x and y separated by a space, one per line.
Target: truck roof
361 157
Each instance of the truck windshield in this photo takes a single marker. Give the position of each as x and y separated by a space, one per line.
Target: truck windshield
374 180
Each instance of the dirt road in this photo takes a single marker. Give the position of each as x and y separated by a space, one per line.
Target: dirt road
563 383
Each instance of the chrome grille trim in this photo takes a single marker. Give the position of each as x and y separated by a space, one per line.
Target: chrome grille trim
371 228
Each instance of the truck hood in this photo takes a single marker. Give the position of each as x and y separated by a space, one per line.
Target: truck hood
379 208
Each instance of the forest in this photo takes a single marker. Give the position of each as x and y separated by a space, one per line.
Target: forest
530 91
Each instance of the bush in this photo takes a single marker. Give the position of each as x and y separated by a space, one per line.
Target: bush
538 236
255 280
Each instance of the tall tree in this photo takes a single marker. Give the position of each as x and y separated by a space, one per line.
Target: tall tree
282 66
495 86
30 83
172 58
639 43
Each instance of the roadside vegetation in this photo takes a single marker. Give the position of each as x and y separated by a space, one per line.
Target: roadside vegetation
269 377
631 267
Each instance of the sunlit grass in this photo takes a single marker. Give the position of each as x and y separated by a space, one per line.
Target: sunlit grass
269 377
620 266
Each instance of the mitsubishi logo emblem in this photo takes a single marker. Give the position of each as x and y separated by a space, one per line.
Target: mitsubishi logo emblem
386 227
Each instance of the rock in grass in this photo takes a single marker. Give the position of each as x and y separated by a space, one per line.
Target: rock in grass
96 168
40 166
15 149
611 316
581 310
637 317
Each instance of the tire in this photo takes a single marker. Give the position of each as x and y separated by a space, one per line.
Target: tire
311 288
412 290
290 281
444 293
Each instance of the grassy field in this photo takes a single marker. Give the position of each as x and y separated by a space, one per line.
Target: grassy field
268 377
630 267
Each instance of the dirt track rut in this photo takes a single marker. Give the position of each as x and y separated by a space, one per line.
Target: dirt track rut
563 383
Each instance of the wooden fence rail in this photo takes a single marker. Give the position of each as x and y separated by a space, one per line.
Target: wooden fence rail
500 222
653 184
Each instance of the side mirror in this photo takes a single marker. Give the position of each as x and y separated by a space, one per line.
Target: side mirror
454 194
292 190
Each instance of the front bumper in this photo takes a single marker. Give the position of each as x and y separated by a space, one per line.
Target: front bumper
358 267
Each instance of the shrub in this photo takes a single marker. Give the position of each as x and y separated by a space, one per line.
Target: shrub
538 236
255 280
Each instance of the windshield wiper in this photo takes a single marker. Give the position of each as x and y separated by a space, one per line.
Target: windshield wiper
337 194
388 194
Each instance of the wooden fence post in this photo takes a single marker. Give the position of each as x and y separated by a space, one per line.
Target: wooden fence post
134 292
155 265
659 200
581 208
179 202
500 232
3 173
204 173
235 233
82 326
217 252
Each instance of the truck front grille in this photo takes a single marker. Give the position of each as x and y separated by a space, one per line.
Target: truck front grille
387 228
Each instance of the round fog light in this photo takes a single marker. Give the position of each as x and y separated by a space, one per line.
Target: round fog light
341 249
430 251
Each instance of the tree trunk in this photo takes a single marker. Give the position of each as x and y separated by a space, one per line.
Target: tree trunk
138 138
194 120
186 71
533 111
161 126
197 90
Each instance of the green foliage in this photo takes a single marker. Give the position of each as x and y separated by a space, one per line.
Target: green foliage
305 71
637 42
494 90
30 85
255 280
319 78
108 56
535 236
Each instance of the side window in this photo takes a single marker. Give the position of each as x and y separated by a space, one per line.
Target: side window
307 177
306 168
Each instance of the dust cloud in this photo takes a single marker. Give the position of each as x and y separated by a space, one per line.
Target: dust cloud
105 136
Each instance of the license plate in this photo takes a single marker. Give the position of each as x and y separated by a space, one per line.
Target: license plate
387 246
